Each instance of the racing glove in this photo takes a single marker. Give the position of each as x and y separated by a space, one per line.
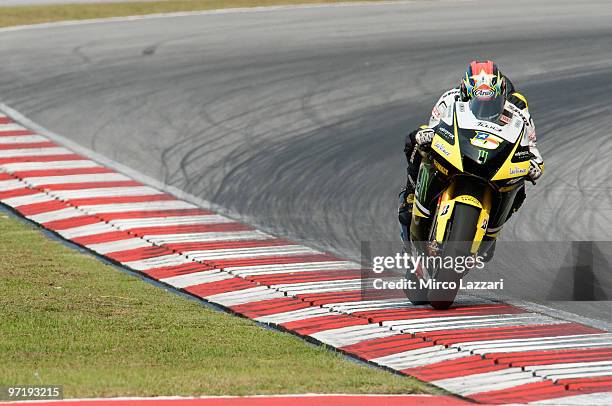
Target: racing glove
534 170
423 137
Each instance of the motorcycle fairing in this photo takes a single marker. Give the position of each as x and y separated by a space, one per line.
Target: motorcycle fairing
484 149
456 156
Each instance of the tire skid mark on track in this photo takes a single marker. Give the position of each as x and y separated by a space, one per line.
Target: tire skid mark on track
487 351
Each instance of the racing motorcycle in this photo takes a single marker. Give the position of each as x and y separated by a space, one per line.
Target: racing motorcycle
465 189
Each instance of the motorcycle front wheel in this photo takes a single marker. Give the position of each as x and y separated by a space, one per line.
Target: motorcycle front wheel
458 243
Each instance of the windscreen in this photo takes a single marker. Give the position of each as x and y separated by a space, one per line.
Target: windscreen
488 109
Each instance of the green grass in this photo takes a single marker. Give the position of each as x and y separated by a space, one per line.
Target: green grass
66 318
20 15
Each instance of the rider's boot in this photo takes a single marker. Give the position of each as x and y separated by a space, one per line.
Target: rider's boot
404 211
406 200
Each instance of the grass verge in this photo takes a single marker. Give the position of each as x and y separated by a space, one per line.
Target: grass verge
66 318
21 15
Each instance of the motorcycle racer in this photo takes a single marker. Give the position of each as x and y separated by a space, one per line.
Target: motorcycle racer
493 98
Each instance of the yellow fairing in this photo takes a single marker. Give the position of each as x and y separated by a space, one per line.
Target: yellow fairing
511 169
450 152
445 212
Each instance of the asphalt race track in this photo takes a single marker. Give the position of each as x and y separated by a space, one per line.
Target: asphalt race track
295 118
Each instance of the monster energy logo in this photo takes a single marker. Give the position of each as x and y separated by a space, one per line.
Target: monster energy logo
422 181
482 156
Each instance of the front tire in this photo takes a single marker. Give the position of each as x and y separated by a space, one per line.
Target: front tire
458 243
418 296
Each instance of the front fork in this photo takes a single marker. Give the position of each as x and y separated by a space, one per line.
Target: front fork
462 191
433 184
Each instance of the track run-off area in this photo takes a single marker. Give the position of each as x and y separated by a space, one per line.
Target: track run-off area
295 123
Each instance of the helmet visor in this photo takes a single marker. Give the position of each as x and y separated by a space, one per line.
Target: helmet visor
487 108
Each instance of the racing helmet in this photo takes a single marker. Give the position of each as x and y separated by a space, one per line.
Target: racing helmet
485 88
